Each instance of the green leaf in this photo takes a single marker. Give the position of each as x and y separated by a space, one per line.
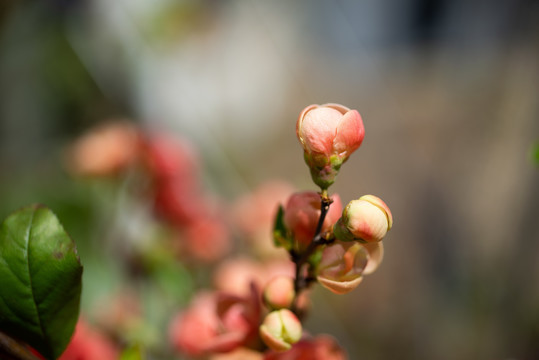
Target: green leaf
280 233
40 276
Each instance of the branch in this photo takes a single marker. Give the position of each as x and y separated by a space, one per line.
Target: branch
301 282
14 349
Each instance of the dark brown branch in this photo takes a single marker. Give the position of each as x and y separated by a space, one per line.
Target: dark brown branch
302 282
12 349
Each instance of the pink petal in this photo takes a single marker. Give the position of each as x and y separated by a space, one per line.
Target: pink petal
340 108
339 287
350 133
318 129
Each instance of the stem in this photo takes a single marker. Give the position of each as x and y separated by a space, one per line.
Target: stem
301 282
14 349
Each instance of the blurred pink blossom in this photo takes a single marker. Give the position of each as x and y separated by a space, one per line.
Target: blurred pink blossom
235 275
254 214
173 170
207 239
89 344
321 347
215 323
168 158
105 150
239 354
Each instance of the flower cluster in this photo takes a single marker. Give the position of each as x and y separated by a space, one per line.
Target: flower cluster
327 245
257 303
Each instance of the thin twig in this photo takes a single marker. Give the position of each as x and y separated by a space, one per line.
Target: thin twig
301 282
14 349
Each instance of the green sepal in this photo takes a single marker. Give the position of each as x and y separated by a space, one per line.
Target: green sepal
40 274
281 237
315 258
341 232
323 170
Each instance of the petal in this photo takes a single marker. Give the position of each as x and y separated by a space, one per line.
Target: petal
375 200
225 342
318 129
366 220
340 108
350 133
339 287
376 254
272 341
299 123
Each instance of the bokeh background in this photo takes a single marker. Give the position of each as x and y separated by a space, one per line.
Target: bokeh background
448 91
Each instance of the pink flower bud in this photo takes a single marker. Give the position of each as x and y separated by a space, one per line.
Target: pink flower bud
322 347
367 219
279 292
280 329
302 212
329 133
342 266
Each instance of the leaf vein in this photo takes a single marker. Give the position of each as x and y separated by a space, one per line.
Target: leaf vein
28 237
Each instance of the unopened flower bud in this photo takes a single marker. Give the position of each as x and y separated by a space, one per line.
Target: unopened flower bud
367 219
302 213
328 133
279 292
342 266
280 329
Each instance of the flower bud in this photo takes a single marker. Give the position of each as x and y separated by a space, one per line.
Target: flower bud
342 266
328 133
302 212
280 329
367 219
279 292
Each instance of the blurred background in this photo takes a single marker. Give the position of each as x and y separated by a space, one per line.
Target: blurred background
448 92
